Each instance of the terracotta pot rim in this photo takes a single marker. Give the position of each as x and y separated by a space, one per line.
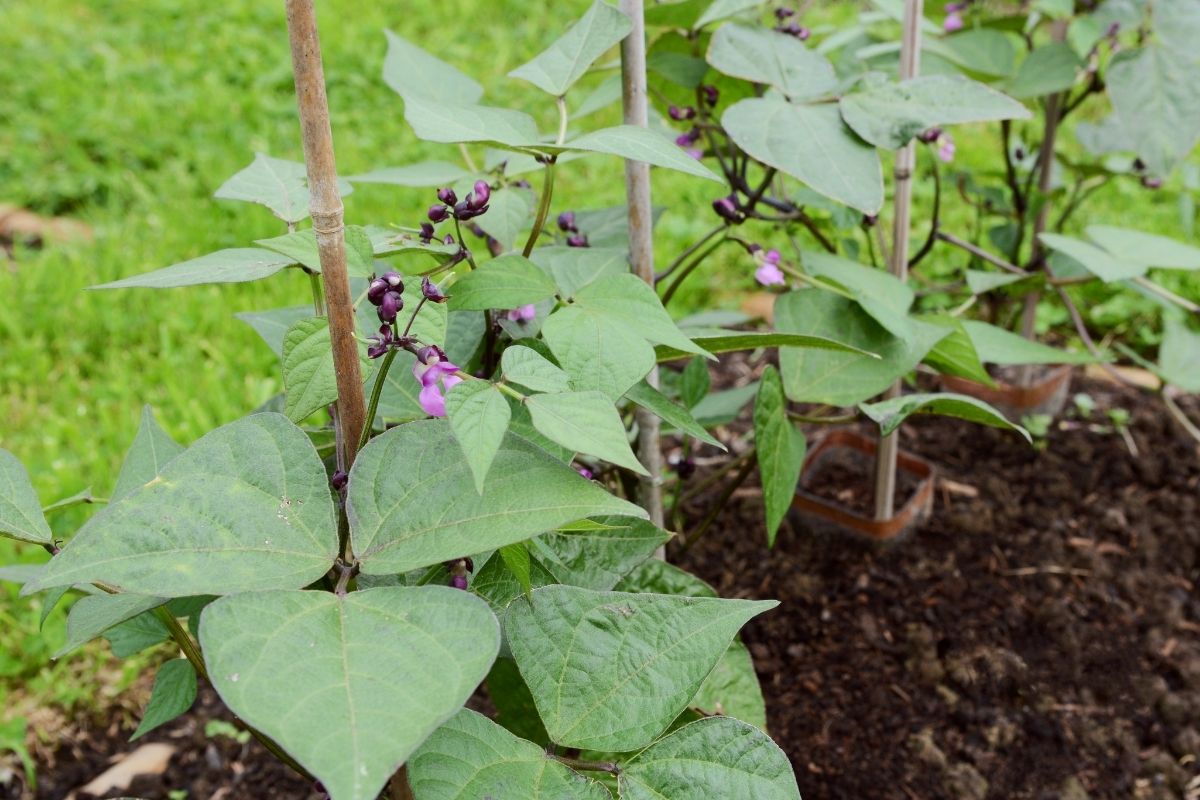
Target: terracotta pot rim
1011 395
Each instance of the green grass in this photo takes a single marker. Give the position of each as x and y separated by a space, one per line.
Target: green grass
128 116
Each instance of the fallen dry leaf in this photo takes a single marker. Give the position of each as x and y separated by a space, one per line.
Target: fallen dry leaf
149 759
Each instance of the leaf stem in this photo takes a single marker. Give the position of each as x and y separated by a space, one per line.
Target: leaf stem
543 207
690 268
376 391
611 767
82 499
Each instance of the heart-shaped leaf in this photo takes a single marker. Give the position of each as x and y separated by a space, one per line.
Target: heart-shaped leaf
276 183
96 613
245 507
596 352
610 671
349 686
479 417
714 757
505 282
629 301
780 446
152 448
732 689
769 57
556 69
585 422
173 694
641 144
471 757
598 559
413 503
308 375
525 366
236 265
413 72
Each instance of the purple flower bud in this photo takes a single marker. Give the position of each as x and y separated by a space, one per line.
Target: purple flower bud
339 480
447 196
525 313
953 22
426 233
479 198
377 289
522 184
784 13
394 281
796 30
449 239
1151 182
431 292
870 220
437 213
459 581
585 472
711 95
566 221
478 231
382 341
685 468
680 114
726 208
1113 30
930 136
577 240
462 211
390 306
772 256
1019 153
1139 165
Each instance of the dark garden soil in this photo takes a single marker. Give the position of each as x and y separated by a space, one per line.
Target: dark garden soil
1038 637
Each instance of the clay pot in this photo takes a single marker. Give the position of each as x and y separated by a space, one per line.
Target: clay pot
818 513
1046 395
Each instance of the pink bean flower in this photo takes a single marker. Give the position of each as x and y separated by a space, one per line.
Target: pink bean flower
953 22
523 314
946 147
436 374
768 272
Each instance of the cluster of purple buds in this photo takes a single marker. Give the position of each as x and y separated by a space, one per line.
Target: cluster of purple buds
943 140
566 224
381 342
711 95
783 12
475 204
728 210
680 114
384 293
795 29
687 142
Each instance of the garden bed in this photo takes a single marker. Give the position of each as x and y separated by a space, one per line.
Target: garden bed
1039 637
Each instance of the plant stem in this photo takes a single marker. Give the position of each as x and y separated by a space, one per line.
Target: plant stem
376 391
543 208
84 499
719 506
1179 415
979 252
314 281
327 212
935 222
690 268
692 248
906 160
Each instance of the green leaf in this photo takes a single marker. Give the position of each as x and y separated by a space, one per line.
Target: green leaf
236 265
889 115
421 174
640 144
516 558
715 757
955 354
721 408
1178 26
413 72
655 576
360 252
610 671
1146 248
1155 93
496 583
510 214
152 448
276 183
173 694
599 559
308 374
889 414
436 121
723 9
573 268
1179 355
301 247
94 614
629 301
355 667
840 379
717 341
505 282
983 50
596 352
603 96
471 757
585 422
21 516
679 14
732 689
412 501
135 635
694 382
671 413
1100 263
813 145
479 416
558 67
780 446
772 58
679 68
528 368
1048 69
272 325
246 507
882 295
998 346
980 282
